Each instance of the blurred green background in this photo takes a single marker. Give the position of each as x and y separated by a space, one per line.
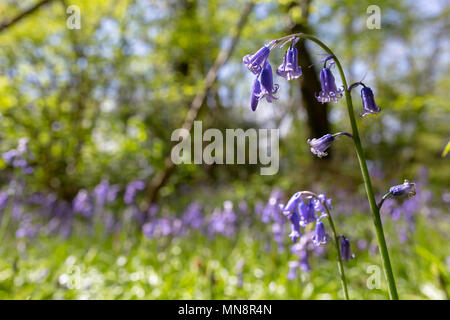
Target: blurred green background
100 104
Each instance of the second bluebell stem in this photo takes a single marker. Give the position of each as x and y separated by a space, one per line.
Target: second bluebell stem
363 166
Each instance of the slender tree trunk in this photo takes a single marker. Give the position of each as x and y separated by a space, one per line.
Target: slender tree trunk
161 178
317 112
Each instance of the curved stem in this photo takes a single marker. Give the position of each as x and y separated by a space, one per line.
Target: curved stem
386 196
364 171
336 242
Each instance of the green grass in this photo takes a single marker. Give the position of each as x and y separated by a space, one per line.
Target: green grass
196 267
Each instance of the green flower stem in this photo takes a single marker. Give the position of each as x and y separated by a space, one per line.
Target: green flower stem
336 242
363 165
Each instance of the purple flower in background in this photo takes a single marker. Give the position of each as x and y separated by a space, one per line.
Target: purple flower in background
304 262
131 190
153 210
329 90
345 249
243 206
112 193
268 88
290 69
293 266
193 216
82 203
22 146
368 102
320 236
28 170
307 214
101 192
19 163
318 146
407 187
255 62
9 156
148 229
3 200
27 230
294 218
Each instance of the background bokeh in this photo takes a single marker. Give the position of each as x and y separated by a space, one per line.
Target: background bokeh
93 110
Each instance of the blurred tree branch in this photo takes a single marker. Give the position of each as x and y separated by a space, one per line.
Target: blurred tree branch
9 22
161 177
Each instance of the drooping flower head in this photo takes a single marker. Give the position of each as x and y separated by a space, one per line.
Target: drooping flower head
290 69
407 187
256 61
292 203
256 93
294 218
307 214
318 146
329 92
263 88
320 236
345 249
268 88
368 101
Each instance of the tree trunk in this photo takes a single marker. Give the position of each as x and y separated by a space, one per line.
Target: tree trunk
309 82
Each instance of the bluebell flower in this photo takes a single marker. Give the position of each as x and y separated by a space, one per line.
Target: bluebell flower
256 94
112 193
329 90
3 200
294 218
368 102
131 190
407 187
320 145
318 204
255 62
345 249
307 214
82 203
320 236
20 163
101 192
22 146
9 156
290 69
292 203
293 266
304 262
268 88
